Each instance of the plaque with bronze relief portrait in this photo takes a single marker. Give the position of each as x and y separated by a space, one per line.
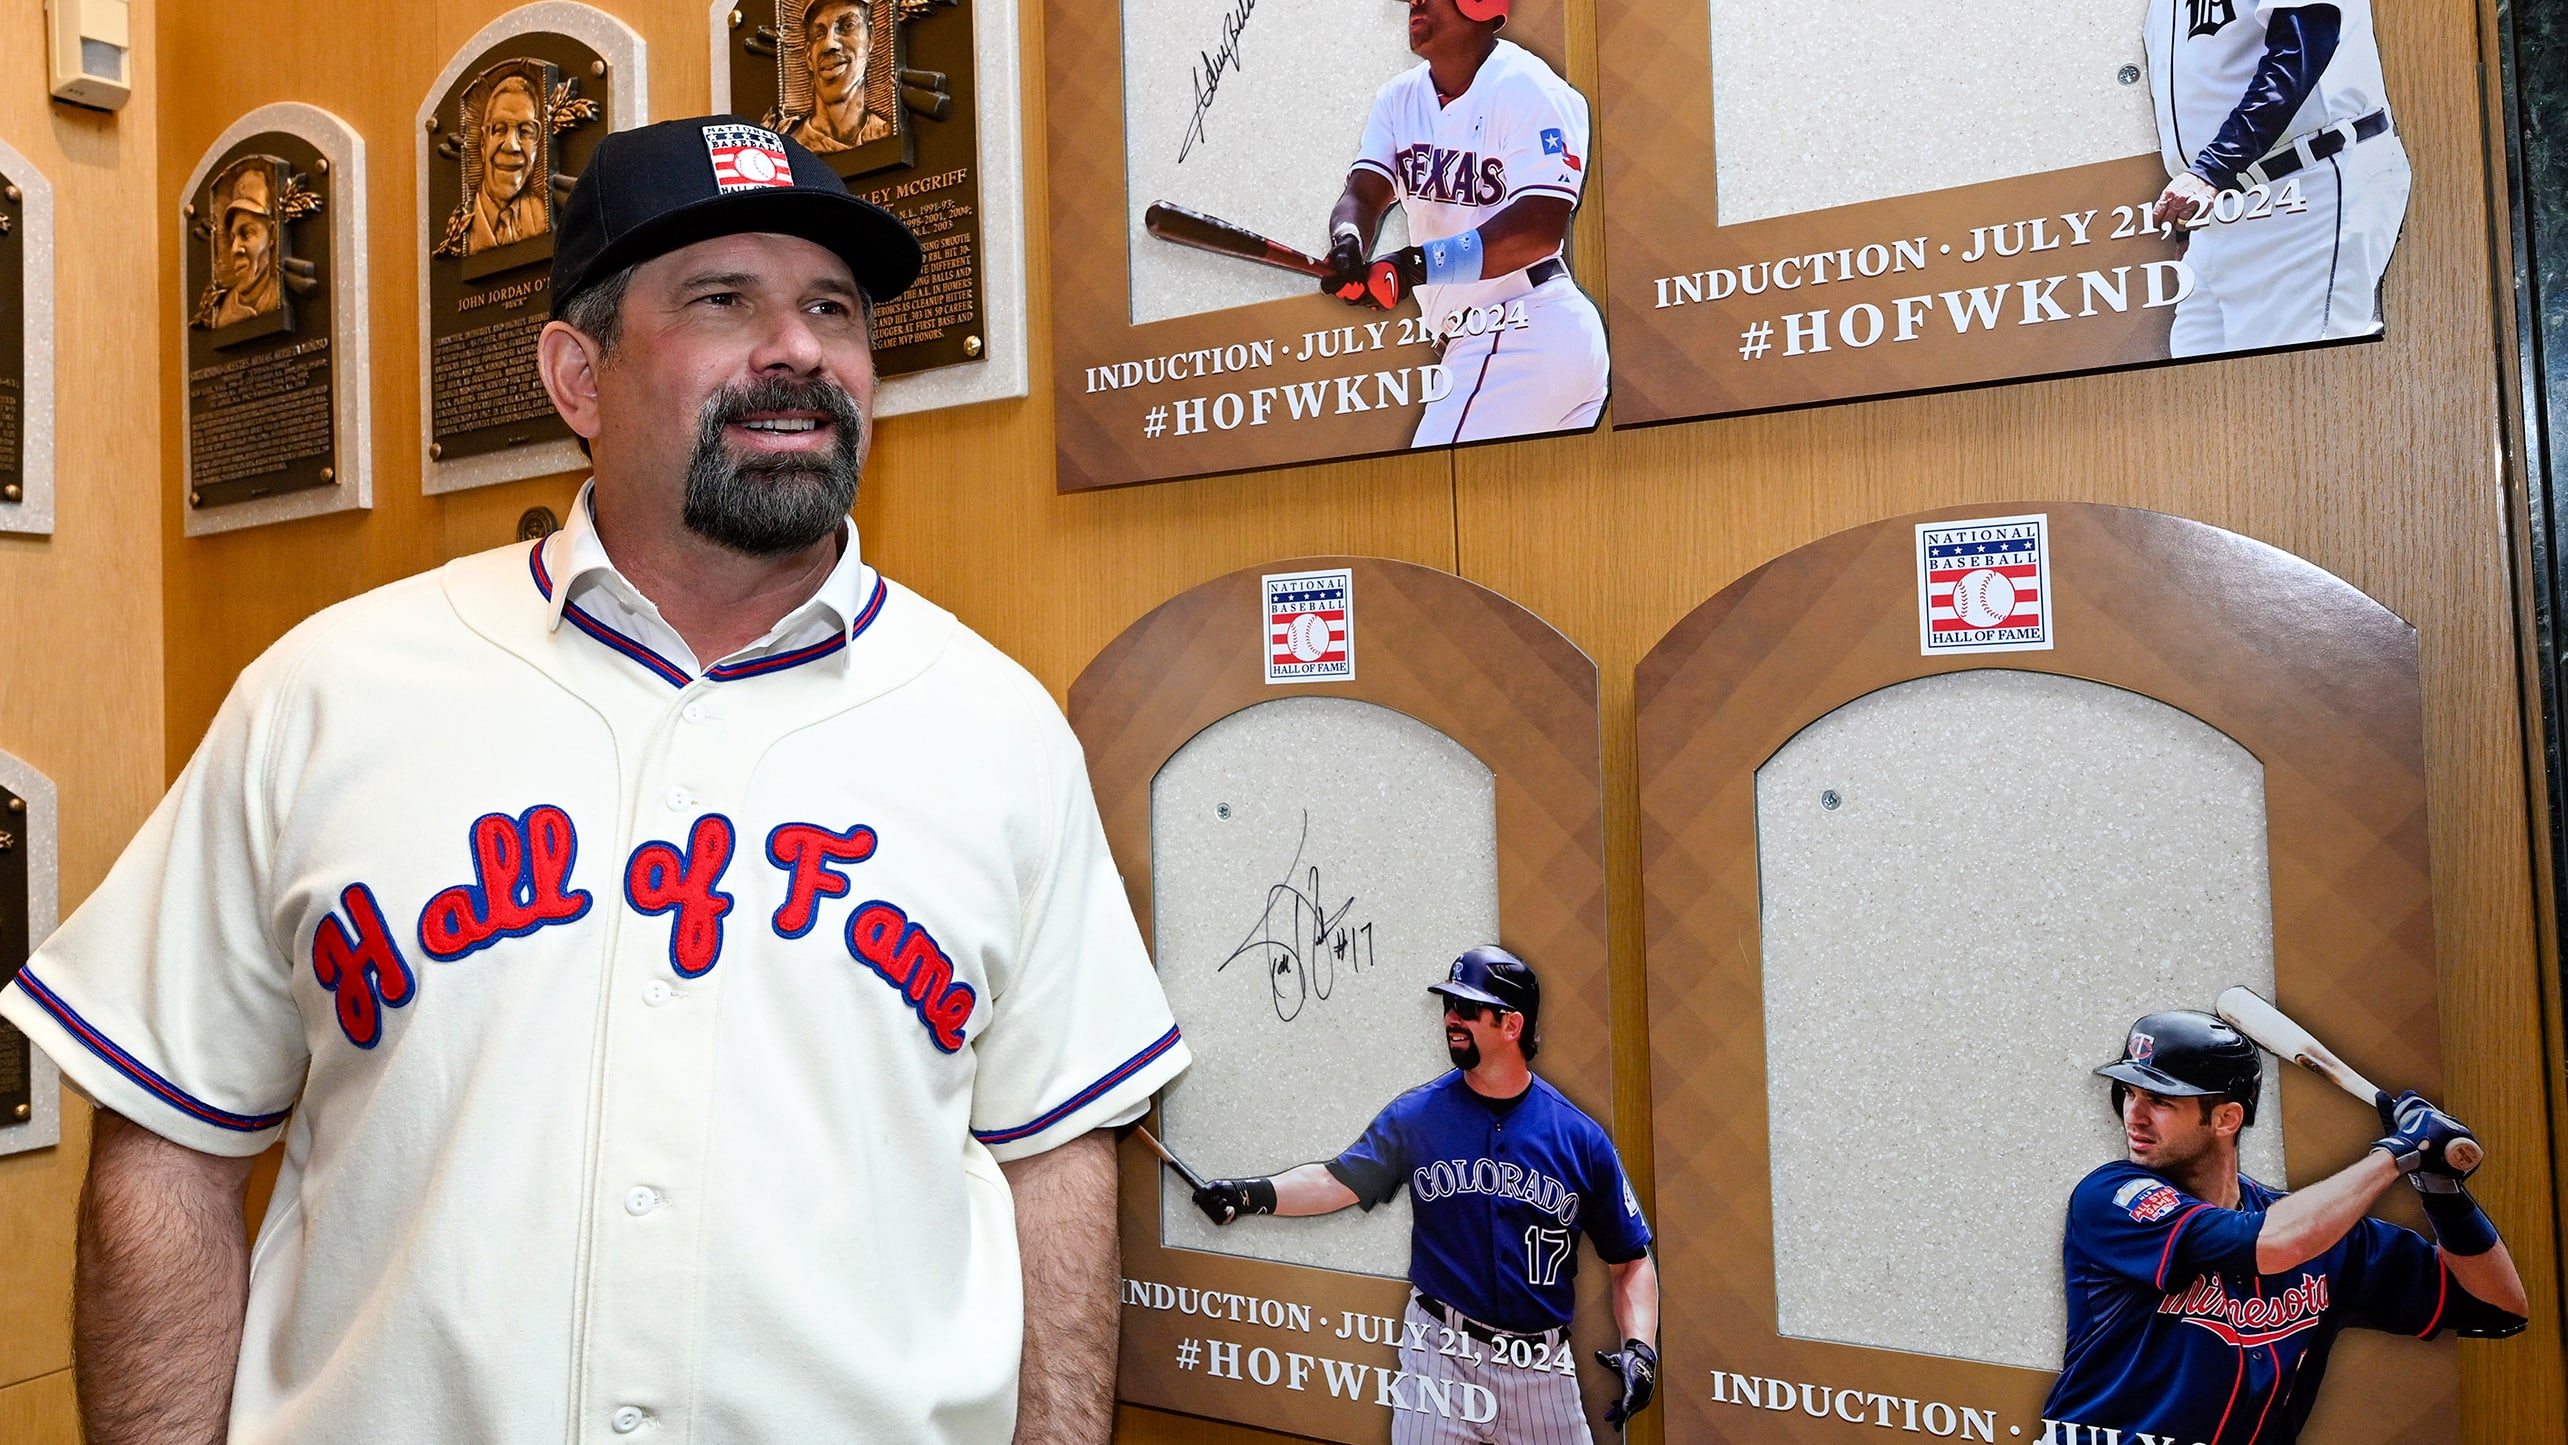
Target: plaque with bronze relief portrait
503 140
883 90
261 373
13 337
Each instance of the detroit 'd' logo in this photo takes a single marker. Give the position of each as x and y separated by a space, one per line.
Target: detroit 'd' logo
1457 178
2253 1322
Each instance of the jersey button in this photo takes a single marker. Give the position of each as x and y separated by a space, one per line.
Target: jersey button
679 799
657 992
641 1199
695 712
626 1419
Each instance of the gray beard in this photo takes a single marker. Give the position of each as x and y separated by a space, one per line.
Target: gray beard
768 506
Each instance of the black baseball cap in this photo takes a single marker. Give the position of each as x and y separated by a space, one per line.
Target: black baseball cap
650 190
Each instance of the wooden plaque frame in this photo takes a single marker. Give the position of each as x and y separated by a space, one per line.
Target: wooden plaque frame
1104 439
1505 685
2314 678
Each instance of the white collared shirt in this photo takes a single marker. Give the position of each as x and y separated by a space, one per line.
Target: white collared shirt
644 1041
592 593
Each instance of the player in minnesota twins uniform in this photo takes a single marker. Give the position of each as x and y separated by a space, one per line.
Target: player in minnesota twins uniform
1486 151
2202 1303
2285 95
1503 1175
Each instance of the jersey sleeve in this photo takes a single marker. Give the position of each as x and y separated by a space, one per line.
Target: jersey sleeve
2134 1224
1379 150
1544 148
1374 1165
1080 1034
2402 1286
1609 1212
167 996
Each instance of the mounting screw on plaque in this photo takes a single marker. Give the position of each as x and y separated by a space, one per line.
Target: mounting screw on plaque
971 346
12 492
2128 75
1829 800
195 498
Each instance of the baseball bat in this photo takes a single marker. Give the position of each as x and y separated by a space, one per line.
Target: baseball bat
2271 1027
1193 1179
1211 233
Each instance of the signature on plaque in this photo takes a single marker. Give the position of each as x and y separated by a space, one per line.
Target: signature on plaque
1300 940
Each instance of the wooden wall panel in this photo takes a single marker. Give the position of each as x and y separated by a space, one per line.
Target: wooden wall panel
2377 462
40 1411
80 619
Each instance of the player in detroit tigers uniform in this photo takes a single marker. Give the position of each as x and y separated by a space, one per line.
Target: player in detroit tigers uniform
1503 1176
2203 1304
645 1031
2287 95
1485 150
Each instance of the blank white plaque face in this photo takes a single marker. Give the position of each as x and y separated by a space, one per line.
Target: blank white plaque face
1832 102
2017 865
1316 863
1259 134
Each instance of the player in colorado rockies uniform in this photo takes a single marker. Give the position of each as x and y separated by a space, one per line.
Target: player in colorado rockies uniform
2285 95
1485 149
2203 1304
1503 1175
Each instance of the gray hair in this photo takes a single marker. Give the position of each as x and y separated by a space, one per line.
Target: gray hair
597 310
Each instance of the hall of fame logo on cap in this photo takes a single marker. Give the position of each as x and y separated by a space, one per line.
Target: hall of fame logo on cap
1984 585
1310 626
747 158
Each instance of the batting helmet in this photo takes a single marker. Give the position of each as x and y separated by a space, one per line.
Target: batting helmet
2184 1054
1482 9
1491 975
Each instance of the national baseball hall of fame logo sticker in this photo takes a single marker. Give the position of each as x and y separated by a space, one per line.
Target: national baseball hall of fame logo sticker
1310 626
1984 585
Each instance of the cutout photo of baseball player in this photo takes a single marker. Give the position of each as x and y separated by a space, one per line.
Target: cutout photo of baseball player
2280 104
1500 1168
2202 1304
1485 151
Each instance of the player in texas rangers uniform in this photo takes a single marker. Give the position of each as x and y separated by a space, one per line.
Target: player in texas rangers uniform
2202 1303
1486 151
650 987
1503 1175
2285 94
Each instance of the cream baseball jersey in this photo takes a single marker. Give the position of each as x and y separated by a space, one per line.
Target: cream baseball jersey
2204 53
1517 130
644 1041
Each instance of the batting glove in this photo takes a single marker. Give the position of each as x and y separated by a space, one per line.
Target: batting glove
2423 1135
1637 1363
1345 280
1224 1200
1395 276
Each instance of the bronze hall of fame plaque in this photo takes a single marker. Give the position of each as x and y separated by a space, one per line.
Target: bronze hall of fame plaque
13 339
883 90
523 107
260 371
30 1099
26 346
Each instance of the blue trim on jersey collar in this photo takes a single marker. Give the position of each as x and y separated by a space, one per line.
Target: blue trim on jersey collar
1084 1097
676 676
134 1069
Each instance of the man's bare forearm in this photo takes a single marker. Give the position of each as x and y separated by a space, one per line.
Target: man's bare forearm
1065 1221
163 1279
